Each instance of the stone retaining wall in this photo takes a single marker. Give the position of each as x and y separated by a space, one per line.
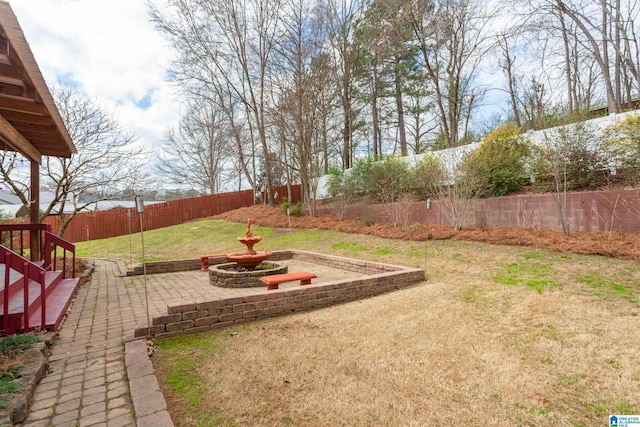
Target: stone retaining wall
174 266
197 316
156 267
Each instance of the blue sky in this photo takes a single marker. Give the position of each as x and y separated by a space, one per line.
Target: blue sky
110 50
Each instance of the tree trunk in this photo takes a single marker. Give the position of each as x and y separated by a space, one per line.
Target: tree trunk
401 128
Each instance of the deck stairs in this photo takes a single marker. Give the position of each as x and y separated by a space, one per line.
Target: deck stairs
35 295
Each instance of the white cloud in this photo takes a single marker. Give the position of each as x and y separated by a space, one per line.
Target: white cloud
111 50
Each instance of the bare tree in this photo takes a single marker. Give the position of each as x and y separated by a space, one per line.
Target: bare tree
341 22
508 65
106 163
570 155
607 30
341 191
459 186
420 121
453 37
198 151
299 45
226 48
15 177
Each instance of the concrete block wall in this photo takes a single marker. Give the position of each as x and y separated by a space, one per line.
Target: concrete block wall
173 266
156 267
615 210
197 316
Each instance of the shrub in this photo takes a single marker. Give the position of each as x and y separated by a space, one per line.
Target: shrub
295 209
360 173
622 141
285 204
501 158
427 176
341 190
573 156
389 179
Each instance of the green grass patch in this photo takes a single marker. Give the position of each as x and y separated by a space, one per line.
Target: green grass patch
349 246
184 354
11 348
384 251
18 343
454 243
192 239
610 287
616 406
570 380
359 247
534 275
535 255
475 293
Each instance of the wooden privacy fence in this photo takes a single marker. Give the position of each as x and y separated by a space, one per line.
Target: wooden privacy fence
118 222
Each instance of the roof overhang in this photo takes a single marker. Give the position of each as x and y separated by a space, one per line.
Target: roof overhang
29 119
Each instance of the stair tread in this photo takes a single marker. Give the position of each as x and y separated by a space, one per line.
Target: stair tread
16 299
58 302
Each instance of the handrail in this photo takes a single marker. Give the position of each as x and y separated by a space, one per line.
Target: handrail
51 244
19 244
29 271
6 259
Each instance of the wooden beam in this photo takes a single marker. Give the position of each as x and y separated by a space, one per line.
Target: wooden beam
12 81
22 106
11 136
28 118
34 210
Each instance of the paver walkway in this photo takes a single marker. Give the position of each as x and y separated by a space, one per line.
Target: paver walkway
87 384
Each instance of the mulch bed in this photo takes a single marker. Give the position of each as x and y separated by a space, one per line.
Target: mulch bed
615 245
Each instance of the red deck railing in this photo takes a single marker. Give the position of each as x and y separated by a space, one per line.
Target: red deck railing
17 237
30 275
28 271
51 245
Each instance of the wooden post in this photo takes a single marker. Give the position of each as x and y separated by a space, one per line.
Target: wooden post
34 211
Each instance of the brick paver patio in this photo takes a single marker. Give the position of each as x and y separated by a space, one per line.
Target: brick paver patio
87 383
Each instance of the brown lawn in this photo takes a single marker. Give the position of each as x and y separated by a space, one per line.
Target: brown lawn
497 335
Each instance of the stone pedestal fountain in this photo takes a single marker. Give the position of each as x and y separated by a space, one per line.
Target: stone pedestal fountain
250 258
240 269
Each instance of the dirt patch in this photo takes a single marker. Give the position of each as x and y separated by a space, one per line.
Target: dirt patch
624 246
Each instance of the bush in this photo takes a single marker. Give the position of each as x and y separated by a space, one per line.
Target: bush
389 180
360 173
295 209
285 204
622 141
427 176
502 158
573 156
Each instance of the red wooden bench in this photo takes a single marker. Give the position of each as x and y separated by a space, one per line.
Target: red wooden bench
205 260
274 280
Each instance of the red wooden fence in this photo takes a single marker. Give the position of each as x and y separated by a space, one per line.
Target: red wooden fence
118 222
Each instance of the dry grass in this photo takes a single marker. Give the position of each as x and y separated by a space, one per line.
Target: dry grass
459 349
